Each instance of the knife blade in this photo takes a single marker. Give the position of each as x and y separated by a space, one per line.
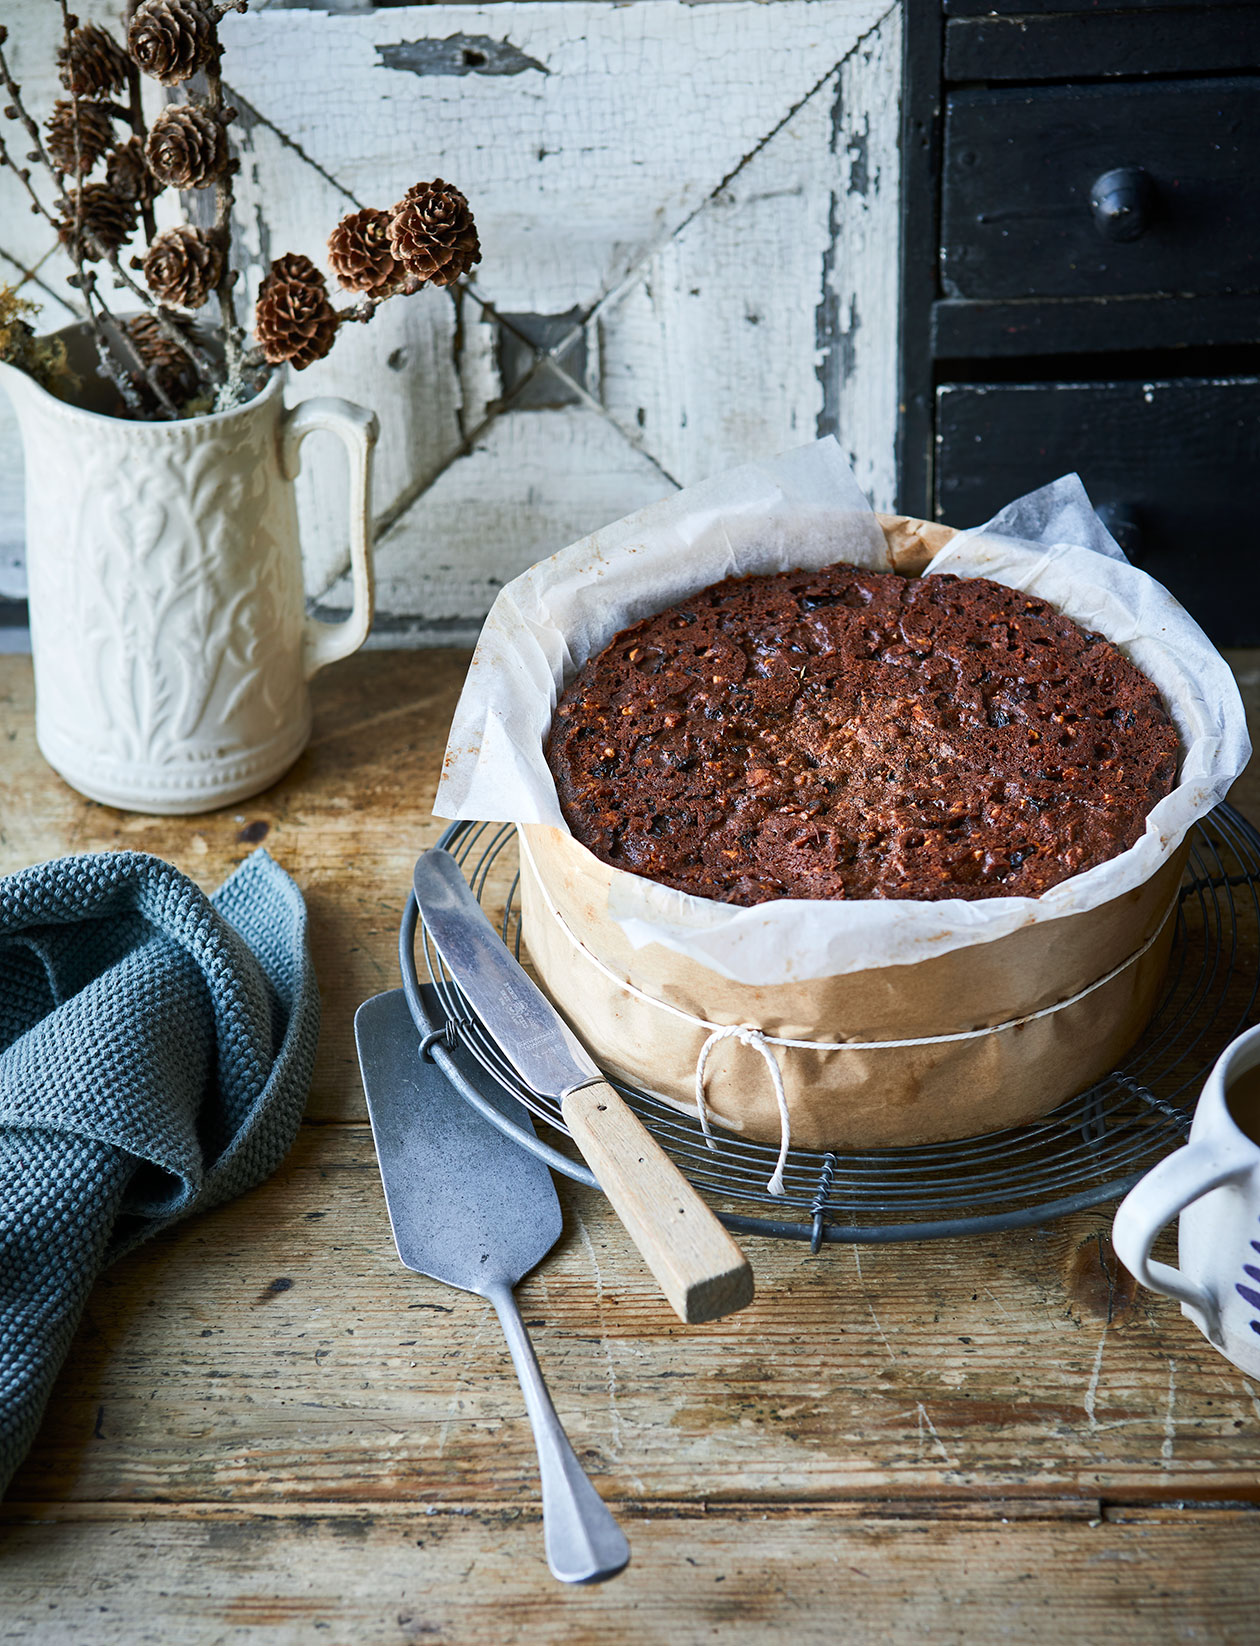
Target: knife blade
699 1267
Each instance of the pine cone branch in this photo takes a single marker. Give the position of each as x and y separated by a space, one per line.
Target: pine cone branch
183 266
167 362
169 40
92 63
433 234
104 220
127 174
294 321
360 253
186 148
96 133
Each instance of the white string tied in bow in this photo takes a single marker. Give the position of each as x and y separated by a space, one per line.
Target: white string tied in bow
748 1035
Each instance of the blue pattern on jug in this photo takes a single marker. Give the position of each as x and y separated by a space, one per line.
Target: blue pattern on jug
1249 1293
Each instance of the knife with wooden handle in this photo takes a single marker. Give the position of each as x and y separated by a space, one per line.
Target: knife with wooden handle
699 1267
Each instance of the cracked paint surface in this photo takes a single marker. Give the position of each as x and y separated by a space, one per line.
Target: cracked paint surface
700 202
458 54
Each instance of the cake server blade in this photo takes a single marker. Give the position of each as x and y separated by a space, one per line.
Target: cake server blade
699 1267
471 1208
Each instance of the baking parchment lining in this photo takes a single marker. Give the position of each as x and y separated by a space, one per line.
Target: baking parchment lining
805 509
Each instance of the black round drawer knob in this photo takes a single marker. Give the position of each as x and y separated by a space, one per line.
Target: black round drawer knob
1123 203
1124 522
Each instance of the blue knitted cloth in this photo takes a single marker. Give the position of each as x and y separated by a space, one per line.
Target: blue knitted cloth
156 1047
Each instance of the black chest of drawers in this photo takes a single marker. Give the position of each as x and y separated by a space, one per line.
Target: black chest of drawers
1081 276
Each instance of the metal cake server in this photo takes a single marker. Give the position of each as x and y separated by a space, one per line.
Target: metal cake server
470 1207
699 1267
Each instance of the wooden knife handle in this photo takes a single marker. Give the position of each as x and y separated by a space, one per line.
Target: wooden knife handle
701 1270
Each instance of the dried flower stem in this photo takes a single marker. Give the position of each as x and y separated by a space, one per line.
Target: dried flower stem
110 338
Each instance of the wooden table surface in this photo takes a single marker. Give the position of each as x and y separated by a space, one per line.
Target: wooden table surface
268 1431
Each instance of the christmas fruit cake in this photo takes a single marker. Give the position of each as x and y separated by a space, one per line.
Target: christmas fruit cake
856 734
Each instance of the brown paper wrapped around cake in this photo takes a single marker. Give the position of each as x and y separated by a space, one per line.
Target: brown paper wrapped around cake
840 1024
982 1037
1067 1026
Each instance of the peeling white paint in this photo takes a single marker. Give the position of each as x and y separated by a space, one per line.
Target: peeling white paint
714 190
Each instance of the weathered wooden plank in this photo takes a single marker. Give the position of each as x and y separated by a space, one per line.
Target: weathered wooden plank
701 190
533 482
1190 40
718 187
225 1453
693 1577
642 112
962 329
275 1350
348 822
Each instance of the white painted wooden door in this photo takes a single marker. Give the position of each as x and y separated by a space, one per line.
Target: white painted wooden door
689 226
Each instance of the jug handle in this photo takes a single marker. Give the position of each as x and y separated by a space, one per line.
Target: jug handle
357 429
1166 1190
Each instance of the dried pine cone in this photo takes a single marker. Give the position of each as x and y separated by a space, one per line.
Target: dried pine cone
433 234
94 64
360 252
106 220
169 40
127 174
166 360
294 320
186 147
183 266
96 133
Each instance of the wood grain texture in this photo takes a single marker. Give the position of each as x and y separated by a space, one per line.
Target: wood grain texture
275 1351
744 1578
701 1270
266 1425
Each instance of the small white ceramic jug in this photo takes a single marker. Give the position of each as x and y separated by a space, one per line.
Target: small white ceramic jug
168 625
1214 1183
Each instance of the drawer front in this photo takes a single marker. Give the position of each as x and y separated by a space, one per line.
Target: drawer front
1178 464
1021 167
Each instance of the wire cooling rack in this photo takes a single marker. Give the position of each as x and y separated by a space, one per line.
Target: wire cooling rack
1089 1150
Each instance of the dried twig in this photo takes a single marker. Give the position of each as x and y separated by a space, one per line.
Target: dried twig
135 119
20 113
366 307
122 380
86 285
206 366
16 110
224 195
22 173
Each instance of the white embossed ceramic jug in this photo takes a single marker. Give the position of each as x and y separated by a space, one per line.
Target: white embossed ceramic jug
171 643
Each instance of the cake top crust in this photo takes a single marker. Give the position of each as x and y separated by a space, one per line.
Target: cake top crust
849 734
